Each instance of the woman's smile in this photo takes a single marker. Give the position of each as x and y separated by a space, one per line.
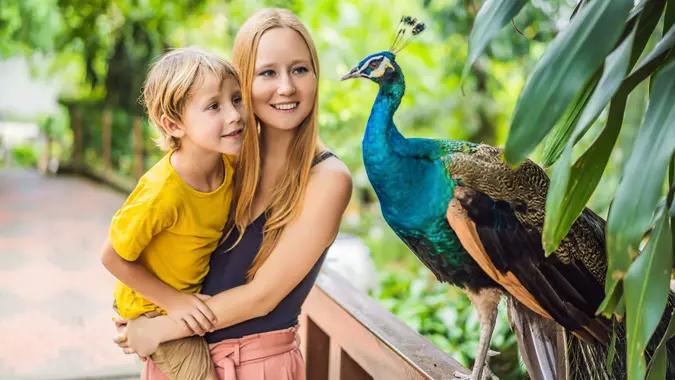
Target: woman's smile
286 107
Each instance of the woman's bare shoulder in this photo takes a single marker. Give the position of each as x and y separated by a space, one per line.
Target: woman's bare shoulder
333 171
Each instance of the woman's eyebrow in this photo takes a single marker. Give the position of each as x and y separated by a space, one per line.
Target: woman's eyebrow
299 60
272 64
264 66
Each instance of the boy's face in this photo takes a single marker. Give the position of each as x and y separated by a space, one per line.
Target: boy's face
214 117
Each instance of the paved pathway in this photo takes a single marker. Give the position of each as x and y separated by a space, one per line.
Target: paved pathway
55 296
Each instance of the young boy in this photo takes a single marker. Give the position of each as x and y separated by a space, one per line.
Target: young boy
160 240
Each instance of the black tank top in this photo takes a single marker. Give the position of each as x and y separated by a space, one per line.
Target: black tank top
228 270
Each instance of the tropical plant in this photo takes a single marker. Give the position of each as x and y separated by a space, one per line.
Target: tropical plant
596 62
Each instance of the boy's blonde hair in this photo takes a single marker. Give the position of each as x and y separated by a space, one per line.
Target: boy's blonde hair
170 84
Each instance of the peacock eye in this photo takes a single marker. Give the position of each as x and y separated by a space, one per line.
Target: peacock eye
374 64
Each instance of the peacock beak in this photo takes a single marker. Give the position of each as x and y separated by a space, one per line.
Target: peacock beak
354 73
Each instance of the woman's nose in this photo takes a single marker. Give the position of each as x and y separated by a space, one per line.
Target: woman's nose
286 87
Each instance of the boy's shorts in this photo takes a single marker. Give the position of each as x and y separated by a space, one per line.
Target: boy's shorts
188 358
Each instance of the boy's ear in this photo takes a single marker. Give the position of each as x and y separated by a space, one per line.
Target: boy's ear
171 127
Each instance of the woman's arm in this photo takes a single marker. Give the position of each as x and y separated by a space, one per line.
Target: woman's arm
299 247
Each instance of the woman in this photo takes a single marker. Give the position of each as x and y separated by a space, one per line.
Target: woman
286 185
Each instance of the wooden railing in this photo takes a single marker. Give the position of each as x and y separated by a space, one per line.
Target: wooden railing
105 172
346 335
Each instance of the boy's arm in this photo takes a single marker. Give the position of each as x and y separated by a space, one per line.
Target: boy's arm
181 306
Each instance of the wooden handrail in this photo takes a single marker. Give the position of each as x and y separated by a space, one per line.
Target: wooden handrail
105 174
348 335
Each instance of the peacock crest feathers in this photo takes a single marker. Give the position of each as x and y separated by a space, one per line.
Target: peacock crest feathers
408 28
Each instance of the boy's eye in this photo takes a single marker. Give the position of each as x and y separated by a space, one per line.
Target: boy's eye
213 106
236 100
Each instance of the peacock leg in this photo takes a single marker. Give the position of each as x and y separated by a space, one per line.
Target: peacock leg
485 301
487 372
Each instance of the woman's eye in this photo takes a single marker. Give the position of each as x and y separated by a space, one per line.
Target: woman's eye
267 73
301 70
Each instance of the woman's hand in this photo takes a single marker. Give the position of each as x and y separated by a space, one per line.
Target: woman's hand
136 336
120 337
190 311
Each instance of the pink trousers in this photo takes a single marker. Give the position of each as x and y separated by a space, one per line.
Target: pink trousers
273 355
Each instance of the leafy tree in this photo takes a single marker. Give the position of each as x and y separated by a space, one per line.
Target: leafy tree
109 43
454 19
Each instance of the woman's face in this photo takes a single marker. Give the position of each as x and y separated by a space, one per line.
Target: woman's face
284 84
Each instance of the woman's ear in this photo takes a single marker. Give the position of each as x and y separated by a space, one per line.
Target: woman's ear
171 127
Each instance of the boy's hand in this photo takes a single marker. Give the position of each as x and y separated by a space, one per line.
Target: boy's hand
190 311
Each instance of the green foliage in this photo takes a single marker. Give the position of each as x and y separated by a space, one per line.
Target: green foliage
103 47
491 18
24 155
564 69
659 362
446 317
646 288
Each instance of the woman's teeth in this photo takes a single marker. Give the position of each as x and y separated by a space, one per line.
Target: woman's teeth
286 106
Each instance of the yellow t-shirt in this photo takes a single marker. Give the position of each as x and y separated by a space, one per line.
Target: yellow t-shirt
171 229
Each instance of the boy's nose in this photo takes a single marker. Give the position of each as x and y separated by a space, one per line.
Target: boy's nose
232 116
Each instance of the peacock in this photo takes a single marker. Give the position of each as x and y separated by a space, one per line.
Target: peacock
476 223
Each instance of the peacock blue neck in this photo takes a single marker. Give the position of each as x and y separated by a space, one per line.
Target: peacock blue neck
386 153
382 137
382 142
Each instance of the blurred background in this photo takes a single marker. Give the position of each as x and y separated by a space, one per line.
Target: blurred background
70 79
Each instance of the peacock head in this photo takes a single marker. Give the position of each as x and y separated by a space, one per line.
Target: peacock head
382 67
378 67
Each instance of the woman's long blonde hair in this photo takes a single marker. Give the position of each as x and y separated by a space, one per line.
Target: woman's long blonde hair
288 194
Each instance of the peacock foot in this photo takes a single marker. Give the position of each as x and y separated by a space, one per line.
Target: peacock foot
486 373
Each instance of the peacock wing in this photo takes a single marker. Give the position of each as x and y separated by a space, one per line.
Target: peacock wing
497 213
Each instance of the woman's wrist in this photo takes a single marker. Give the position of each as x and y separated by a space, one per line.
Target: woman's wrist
164 329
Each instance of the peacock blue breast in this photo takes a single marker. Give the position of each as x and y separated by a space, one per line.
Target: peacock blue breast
437 246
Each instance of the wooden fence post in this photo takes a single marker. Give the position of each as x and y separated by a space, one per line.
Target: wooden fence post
45 164
78 136
139 158
106 140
